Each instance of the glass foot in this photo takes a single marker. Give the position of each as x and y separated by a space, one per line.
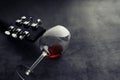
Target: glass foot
21 72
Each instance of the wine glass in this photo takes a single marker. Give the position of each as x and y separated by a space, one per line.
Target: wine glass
52 44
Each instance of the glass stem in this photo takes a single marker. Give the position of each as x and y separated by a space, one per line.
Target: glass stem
44 54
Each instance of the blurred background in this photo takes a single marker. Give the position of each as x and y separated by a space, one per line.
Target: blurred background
94 50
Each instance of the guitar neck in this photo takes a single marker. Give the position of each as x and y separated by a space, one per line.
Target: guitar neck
23 29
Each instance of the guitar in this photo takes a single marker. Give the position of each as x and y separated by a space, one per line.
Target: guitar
23 29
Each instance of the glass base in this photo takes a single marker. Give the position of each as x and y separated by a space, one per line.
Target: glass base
21 70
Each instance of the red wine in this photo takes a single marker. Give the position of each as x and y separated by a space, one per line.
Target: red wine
55 51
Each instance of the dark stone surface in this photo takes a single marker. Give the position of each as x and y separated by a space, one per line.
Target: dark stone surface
93 53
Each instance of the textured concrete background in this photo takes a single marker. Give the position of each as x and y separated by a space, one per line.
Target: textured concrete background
93 53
